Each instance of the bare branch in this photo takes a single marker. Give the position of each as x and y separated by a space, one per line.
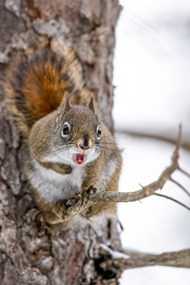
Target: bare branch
133 259
162 135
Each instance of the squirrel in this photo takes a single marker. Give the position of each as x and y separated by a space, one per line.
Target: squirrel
69 149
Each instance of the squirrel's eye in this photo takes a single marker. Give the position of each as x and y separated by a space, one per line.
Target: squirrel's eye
99 133
66 129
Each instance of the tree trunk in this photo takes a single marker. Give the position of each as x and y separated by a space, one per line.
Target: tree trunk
29 252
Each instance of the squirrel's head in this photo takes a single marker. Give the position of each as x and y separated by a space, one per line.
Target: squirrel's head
71 135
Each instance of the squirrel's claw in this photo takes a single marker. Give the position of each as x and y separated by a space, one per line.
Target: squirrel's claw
91 190
57 214
85 196
73 200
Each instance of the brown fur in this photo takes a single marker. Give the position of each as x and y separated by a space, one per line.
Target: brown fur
59 168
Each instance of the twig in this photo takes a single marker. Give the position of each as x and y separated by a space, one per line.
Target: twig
184 172
133 259
172 199
180 186
165 137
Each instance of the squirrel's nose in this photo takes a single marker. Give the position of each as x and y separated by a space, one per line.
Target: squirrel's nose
84 144
83 147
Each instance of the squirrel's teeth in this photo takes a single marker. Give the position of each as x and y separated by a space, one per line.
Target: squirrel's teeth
79 158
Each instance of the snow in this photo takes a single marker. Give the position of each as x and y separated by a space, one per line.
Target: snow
115 254
151 75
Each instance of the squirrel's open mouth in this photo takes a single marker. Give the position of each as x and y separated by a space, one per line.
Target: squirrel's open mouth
79 158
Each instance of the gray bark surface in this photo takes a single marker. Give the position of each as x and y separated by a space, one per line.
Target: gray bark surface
29 252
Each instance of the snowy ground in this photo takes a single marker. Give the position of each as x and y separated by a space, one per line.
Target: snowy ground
152 67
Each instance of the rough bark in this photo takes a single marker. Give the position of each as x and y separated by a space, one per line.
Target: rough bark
29 252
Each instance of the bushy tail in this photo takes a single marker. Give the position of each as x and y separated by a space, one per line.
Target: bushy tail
35 88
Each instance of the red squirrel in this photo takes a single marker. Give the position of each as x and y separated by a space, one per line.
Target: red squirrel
69 149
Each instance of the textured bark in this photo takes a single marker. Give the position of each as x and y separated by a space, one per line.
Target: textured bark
29 252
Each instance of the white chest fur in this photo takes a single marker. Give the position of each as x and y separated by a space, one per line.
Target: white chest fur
54 187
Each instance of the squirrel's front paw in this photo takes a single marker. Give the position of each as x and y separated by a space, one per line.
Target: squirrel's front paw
73 200
60 209
85 196
82 197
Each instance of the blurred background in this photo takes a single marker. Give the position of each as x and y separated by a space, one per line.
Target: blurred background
152 96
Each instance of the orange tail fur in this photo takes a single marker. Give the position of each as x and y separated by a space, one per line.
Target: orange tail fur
34 89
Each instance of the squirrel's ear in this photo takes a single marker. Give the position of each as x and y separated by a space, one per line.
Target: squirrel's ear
92 105
66 104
